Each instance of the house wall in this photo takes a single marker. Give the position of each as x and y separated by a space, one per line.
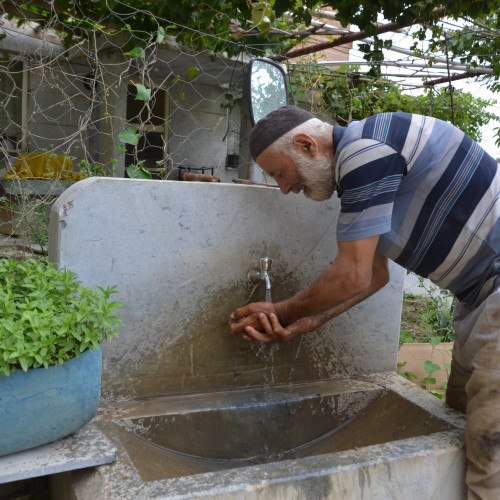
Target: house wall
58 105
66 112
197 126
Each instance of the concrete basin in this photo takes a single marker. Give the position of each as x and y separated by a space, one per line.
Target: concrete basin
375 437
186 435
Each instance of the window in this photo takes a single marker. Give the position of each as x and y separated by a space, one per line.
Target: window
150 119
11 104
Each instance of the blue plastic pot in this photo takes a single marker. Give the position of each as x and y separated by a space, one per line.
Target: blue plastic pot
42 405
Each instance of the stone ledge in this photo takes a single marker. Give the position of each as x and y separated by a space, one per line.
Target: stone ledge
86 448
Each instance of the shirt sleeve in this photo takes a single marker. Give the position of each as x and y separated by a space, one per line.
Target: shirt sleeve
369 174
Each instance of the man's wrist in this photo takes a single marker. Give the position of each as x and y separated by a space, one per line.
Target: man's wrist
283 312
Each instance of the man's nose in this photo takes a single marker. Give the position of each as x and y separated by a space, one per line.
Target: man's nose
284 186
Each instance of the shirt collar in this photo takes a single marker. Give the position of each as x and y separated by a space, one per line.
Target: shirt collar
337 134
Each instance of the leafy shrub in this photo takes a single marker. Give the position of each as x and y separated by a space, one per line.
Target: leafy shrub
427 318
47 317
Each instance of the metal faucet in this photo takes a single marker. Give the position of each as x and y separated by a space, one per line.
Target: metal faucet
262 275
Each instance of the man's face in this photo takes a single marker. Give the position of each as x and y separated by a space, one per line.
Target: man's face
312 175
317 176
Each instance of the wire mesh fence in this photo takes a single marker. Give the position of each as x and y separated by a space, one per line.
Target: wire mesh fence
80 98
81 101
105 103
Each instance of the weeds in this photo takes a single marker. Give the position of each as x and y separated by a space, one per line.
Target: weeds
427 319
430 369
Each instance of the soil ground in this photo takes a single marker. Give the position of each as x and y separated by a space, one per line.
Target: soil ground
413 308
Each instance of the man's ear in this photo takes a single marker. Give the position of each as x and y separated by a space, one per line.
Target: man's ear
306 143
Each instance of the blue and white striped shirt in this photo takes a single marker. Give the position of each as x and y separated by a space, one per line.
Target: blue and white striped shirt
429 191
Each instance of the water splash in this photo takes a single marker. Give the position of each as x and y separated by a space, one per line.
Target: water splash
266 352
294 361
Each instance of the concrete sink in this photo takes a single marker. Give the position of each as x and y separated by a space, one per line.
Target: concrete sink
378 435
186 435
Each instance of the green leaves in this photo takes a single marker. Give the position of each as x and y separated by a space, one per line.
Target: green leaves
263 16
160 35
431 367
138 172
192 72
48 317
129 136
143 94
137 52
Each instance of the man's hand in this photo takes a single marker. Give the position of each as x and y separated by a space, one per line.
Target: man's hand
248 317
272 331
259 322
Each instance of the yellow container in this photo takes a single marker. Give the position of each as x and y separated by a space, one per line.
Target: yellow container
42 165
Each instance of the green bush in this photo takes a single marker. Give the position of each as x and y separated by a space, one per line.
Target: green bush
48 317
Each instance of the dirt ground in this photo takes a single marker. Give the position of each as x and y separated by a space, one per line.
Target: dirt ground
410 318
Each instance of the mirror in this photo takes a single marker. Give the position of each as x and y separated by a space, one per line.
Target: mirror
268 90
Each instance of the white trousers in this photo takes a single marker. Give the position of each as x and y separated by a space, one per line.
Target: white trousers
474 387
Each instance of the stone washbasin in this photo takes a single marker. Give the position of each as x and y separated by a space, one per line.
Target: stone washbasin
184 435
184 443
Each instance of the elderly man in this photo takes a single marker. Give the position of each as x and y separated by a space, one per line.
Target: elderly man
418 191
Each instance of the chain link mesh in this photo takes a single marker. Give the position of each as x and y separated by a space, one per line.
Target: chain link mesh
79 98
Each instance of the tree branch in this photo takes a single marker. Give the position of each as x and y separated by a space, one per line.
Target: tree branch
446 79
351 37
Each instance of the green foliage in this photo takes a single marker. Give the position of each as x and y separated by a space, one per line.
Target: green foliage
477 43
439 314
438 320
263 16
430 368
192 72
405 373
434 319
39 228
470 111
130 135
48 317
86 169
348 96
138 172
229 20
143 93
273 27
137 52
427 319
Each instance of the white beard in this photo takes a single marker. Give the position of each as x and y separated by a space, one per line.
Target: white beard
317 177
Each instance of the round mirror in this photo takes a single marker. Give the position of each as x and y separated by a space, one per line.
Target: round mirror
268 90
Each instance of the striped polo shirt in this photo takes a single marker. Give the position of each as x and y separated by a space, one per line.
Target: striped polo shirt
429 191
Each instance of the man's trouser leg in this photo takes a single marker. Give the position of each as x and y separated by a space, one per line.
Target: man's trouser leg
474 386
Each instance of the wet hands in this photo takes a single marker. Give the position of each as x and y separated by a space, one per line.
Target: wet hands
258 322
251 322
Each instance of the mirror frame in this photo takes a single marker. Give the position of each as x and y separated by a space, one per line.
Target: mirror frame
249 84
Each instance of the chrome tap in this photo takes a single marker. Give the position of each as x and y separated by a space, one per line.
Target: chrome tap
262 275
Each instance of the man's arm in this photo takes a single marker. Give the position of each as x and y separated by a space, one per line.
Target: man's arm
357 272
272 331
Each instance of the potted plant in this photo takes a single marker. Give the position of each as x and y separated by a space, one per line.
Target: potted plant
51 328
